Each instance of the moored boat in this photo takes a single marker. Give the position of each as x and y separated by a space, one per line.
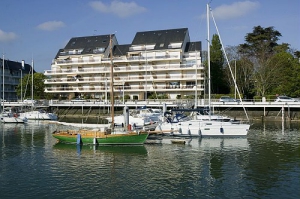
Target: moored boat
38 115
100 138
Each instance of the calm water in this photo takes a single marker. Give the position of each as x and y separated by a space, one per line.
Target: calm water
266 164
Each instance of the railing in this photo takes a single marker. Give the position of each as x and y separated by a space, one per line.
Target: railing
149 67
149 87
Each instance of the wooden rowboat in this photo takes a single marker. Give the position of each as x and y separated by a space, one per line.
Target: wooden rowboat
100 138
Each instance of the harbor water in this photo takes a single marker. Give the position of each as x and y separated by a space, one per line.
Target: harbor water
265 164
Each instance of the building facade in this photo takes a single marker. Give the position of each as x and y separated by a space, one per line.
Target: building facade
11 73
162 63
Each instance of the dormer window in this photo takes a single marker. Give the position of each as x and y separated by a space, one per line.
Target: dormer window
99 50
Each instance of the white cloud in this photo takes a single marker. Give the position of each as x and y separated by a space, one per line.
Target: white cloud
121 9
7 36
237 9
51 25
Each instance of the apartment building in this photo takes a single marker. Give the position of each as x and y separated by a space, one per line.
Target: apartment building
10 74
157 63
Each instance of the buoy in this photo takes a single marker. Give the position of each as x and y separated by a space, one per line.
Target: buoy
199 132
78 139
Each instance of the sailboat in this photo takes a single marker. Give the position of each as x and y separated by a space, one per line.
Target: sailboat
8 116
208 126
112 136
37 114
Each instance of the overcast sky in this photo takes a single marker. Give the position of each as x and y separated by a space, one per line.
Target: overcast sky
37 29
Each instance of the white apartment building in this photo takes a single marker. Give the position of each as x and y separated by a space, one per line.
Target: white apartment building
156 63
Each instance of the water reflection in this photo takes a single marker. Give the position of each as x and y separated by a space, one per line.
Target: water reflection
83 149
265 164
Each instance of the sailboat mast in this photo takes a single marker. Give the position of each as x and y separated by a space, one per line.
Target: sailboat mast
32 84
3 81
208 60
111 85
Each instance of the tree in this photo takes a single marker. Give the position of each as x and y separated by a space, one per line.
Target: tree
242 69
287 80
38 86
259 48
297 54
218 83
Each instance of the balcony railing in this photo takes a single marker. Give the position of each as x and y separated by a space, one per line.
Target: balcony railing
149 67
130 88
149 77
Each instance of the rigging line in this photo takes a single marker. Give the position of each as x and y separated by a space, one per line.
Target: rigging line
234 80
119 50
26 84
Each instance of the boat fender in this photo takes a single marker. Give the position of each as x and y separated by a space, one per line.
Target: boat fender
189 132
221 130
94 141
78 139
180 130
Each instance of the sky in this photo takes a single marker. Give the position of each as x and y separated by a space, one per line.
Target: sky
37 29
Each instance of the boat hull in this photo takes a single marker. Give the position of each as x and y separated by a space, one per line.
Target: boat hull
12 120
204 128
36 115
99 138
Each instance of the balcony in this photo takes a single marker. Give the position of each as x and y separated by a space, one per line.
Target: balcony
126 88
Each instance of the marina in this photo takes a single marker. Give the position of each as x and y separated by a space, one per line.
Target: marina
265 164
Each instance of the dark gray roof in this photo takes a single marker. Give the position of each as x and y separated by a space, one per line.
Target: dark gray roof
89 44
193 46
13 65
158 37
120 50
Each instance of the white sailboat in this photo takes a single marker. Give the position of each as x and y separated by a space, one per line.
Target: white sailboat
8 116
37 114
208 125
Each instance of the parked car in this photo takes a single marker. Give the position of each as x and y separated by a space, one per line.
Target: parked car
29 101
285 99
78 100
228 99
